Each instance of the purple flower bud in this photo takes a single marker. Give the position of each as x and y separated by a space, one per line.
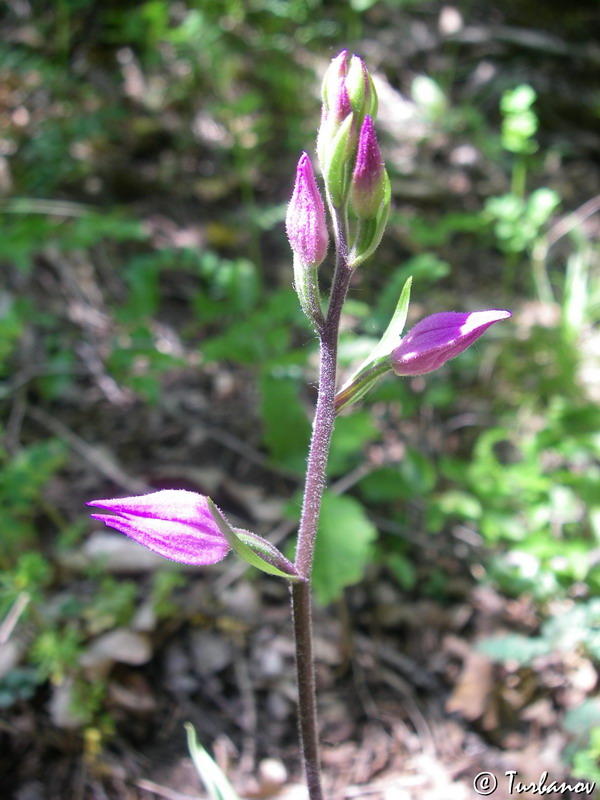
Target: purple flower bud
305 220
440 337
348 96
342 105
367 190
174 523
348 87
337 92
334 92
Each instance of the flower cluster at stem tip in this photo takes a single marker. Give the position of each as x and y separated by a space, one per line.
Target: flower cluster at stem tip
186 526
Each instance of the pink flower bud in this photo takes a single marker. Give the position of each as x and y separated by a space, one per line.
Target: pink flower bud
367 190
348 87
440 337
335 95
348 96
174 523
305 220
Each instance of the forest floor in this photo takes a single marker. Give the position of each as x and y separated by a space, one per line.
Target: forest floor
410 708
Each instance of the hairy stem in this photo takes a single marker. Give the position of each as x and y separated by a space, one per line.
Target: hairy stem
307 704
313 494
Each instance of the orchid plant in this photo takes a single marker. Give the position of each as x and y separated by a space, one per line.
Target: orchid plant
188 527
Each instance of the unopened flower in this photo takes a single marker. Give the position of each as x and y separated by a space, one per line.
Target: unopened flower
369 179
336 101
305 221
440 337
348 96
348 87
175 523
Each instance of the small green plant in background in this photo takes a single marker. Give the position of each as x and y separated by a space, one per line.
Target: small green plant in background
519 126
586 759
519 219
23 478
575 628
544 520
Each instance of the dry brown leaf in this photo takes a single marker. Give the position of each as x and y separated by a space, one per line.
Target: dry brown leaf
472 690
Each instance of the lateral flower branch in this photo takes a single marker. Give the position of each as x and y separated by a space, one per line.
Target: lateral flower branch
188 527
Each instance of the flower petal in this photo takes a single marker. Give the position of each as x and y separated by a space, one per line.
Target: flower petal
177 505
170 539
440 337
175 523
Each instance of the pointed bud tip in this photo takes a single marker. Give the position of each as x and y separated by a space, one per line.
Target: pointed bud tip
368 179
440 337
305 220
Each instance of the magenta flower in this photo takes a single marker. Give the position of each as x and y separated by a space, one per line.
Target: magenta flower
174 523
368 187
305 221
440 337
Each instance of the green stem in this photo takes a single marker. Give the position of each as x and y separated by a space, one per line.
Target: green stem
362 382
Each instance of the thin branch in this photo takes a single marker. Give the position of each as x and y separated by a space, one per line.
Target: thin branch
97 459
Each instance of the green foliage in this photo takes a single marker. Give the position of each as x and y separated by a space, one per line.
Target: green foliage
262 335
163 587
11 329
22 479
587 760
518 222
547 515
584 718
286 426
344 546
430 98
138 364
31 574
403 570
88 701
435 233
582 723
413 477
113 605
519 121
350 436
28 226
574 629
55 653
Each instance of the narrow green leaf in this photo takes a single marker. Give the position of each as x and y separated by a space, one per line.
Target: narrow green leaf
393 332
376 364
237 542
217 785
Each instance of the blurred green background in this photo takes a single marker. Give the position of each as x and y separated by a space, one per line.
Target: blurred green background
150 337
